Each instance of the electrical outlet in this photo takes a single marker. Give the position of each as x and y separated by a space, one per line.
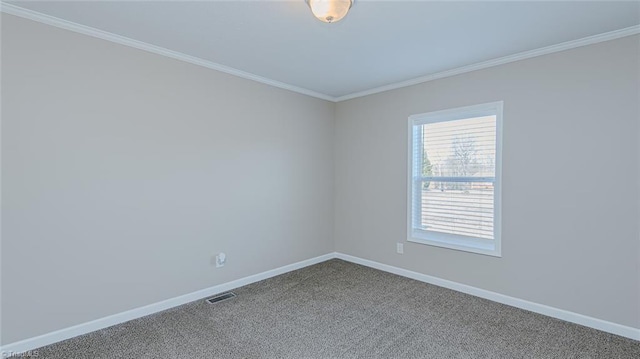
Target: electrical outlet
399 248
221 260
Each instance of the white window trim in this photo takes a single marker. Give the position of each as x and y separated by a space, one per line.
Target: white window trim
445 240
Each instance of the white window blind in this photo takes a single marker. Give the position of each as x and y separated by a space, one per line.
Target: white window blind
454 189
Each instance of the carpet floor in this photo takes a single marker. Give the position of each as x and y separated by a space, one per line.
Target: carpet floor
337 309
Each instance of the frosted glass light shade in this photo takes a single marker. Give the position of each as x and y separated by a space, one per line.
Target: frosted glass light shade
330 10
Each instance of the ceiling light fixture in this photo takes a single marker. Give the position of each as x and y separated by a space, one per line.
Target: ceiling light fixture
330 10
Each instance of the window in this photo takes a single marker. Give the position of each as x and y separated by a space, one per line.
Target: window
454 178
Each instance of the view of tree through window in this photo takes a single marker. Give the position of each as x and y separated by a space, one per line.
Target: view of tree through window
457 177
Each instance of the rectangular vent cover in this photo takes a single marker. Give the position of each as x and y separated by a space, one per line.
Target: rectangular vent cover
221 297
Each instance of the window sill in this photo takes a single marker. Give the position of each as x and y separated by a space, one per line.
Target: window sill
479 246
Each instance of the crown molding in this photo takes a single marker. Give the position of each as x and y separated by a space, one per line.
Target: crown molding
122 40
590 40
140 45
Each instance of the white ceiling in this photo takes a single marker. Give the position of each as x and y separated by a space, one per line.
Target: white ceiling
378 43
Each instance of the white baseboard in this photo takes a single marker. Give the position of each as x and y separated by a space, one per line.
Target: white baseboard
80 329
618 329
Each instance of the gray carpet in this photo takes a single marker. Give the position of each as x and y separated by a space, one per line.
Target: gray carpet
337 309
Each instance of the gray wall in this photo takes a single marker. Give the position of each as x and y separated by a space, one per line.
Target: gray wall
570 179
124 172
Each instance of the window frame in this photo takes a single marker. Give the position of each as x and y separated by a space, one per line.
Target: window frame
447 240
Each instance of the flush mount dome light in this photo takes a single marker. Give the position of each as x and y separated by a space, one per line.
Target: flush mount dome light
330 10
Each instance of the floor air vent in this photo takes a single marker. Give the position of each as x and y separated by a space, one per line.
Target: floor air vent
221 297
